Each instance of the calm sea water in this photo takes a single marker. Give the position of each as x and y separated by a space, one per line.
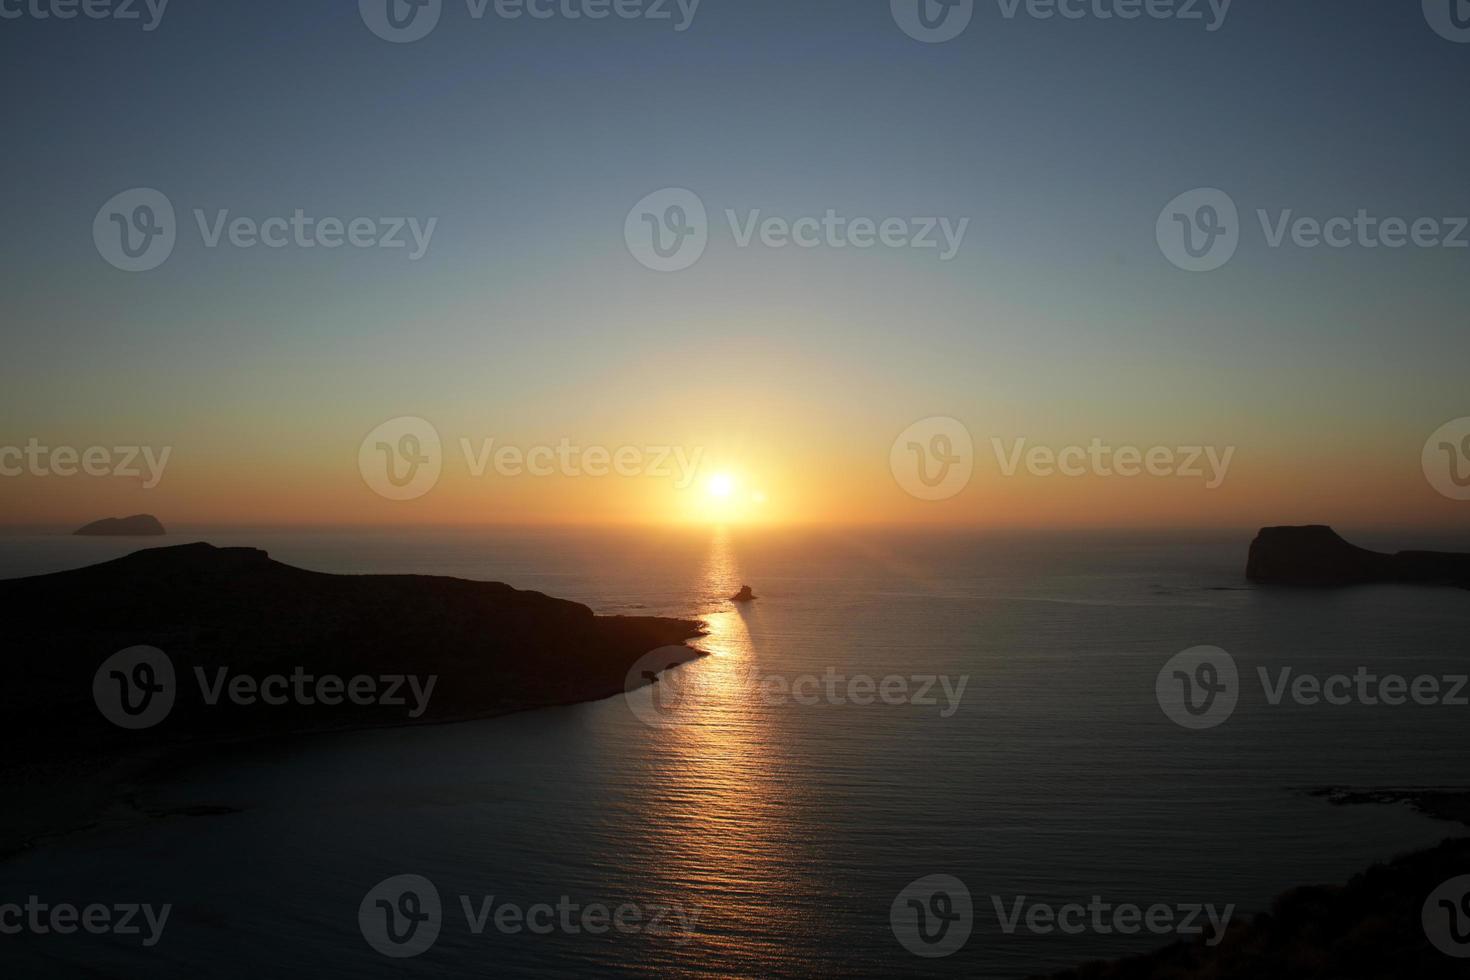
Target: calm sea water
788 829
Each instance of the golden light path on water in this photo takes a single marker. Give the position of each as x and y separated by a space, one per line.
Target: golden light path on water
738 849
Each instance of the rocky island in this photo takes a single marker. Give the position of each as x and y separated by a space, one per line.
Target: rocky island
194 645
139 525
1315 555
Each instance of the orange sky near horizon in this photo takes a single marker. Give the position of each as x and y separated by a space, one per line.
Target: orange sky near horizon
846 483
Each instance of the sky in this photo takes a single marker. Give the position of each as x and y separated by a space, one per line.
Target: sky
275 377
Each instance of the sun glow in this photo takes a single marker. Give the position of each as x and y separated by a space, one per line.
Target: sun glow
727 497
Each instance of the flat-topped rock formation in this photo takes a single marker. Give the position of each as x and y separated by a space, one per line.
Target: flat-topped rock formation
1315 555
139 525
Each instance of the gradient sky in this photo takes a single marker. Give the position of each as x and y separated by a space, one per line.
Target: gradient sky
528 321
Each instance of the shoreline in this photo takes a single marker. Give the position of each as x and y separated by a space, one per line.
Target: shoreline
124 778
188 612
1333 929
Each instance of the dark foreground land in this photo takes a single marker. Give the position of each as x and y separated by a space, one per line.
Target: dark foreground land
1372 928
229 619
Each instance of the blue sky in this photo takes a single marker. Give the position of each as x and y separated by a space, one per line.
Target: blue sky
530 140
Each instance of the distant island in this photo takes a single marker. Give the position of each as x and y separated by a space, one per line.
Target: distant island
1316 555
224 614
139 525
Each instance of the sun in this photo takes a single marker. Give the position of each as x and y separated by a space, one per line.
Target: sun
727 496
721 485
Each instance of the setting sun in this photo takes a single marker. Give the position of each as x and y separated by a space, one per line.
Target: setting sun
721 485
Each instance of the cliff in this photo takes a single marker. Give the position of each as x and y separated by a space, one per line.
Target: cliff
1315 555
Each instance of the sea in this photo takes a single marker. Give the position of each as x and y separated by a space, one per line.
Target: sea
917 753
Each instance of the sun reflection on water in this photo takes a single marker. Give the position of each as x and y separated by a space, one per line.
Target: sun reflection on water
723 783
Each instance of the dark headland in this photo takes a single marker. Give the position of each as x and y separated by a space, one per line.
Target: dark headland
1315 555
139 525
227 612
1371 928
